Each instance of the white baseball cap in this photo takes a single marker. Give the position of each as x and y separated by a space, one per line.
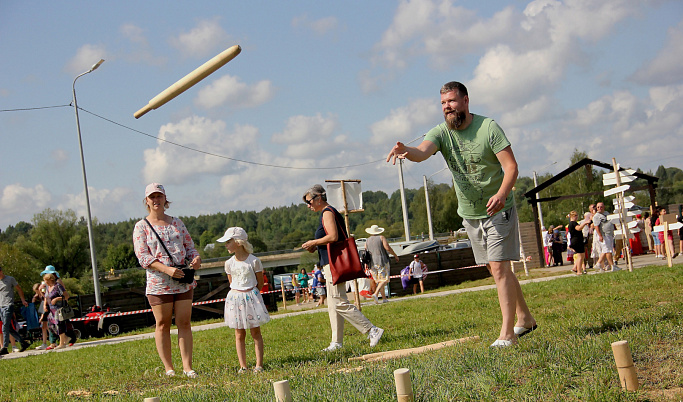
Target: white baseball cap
233 233
154 188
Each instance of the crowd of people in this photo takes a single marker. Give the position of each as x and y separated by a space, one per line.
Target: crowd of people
590 243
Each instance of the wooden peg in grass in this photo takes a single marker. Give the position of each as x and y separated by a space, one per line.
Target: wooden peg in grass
282 391
404 387
625 367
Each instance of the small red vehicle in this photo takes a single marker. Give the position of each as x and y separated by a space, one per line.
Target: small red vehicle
98 322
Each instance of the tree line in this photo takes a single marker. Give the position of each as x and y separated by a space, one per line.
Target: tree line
60 238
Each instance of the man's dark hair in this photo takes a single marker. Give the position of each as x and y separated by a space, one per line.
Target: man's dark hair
454 86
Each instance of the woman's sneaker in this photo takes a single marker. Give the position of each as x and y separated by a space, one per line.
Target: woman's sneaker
333 346
374 336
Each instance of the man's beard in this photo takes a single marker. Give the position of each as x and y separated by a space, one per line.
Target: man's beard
456 121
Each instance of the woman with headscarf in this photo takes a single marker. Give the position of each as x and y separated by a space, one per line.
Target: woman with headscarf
339 309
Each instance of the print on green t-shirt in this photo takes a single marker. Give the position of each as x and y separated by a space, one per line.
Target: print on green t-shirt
471 157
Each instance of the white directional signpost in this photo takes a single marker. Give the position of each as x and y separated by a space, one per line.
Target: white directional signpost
667 222
622 204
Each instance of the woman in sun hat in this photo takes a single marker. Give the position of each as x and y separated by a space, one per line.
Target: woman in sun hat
165 293
379 248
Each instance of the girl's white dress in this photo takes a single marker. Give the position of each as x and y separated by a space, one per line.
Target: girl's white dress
244 306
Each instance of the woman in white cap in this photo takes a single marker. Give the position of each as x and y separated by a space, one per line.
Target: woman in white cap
338 306
162 243
379 249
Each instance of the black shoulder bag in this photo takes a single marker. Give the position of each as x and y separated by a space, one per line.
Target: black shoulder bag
188 272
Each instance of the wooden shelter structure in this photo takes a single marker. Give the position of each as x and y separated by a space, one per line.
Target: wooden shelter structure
587 164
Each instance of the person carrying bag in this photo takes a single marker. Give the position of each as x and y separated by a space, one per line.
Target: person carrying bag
345 264
330 231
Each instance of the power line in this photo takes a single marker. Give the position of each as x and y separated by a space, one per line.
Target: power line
223 156
33 108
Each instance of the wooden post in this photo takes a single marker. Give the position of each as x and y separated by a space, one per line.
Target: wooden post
284 297
625 231
539 234
404 387
346 223
627 371
666 244
521 251
282 391
152 399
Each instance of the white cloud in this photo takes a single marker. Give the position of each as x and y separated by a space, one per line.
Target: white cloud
305 128
171 164
24 201
141 50
320 26
530 113
59 155
666 67
404 122
231 91
202 40
504 77
86 56
106 205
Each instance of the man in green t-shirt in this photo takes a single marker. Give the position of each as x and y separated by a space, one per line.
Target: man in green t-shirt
484 169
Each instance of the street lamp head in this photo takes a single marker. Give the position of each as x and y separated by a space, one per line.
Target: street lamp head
96 65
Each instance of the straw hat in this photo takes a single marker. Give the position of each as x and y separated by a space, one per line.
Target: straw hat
374 230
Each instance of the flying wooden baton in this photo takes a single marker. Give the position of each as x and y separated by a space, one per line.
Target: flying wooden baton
189 80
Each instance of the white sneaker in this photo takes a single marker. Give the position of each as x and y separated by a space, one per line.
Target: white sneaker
502 343
333 346
376 299
374 336
615 268
42 347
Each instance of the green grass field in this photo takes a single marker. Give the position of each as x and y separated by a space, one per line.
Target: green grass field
568 358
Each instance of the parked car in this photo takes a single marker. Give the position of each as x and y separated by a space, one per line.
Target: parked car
419 247
280 279
460 244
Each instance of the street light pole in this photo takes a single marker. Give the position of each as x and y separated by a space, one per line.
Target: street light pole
96 280
429 210
406 224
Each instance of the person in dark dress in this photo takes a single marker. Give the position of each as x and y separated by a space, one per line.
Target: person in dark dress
576 241
556 245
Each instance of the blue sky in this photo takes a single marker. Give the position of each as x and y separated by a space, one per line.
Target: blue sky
321 90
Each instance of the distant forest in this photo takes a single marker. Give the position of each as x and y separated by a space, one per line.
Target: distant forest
60 238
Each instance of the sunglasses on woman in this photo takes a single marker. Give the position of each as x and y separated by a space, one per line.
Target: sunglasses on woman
308 202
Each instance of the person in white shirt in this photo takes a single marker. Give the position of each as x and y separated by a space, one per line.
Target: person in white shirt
244 306
417 268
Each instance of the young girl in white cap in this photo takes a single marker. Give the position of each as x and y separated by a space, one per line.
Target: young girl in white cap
244 306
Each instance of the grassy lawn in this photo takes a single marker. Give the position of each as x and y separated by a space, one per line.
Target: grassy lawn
568 358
